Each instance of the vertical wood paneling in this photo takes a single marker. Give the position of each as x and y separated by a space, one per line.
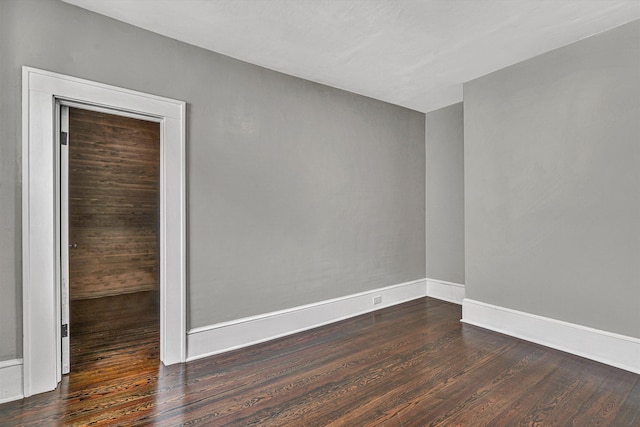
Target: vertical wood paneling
114 190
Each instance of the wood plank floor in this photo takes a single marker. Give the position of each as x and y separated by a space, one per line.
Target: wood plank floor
414 364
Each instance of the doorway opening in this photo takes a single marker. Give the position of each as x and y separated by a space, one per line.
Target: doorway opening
41 245
110 241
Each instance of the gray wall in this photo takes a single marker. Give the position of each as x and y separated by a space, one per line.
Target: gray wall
297 192
552 184
445 194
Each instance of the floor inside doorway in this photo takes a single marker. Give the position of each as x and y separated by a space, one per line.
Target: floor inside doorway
113 335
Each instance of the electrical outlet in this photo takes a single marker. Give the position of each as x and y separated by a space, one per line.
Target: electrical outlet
377 300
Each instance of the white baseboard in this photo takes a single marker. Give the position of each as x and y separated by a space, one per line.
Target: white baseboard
446 291
612 349
10 380
227 336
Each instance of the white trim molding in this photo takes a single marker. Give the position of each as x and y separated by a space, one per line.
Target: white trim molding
612 349
445 291
227 336
41 90
10 380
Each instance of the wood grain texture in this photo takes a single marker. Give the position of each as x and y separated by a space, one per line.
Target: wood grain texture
114 172
414 364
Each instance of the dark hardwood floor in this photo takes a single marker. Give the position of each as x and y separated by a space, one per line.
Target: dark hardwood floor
114 334
414 364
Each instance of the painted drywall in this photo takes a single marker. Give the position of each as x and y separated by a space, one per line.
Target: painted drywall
552 179
445 194
297 192
10 200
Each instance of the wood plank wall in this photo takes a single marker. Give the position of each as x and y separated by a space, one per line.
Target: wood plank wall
114 191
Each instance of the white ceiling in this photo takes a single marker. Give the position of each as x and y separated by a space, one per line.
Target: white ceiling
414 53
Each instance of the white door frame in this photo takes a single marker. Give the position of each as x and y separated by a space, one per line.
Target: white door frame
62 232
40 240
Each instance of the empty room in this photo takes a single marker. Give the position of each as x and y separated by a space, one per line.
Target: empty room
320 212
